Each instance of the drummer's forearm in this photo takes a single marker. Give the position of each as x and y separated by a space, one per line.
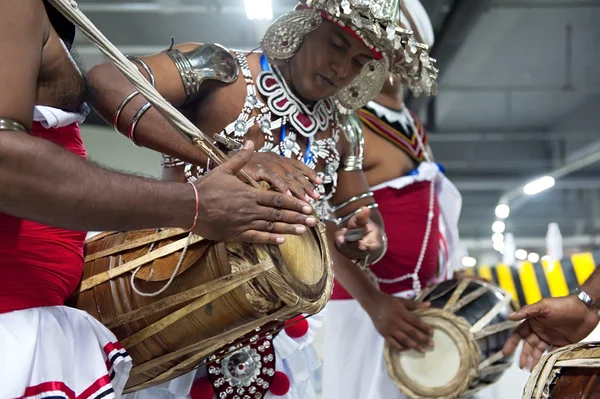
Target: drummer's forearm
152 130
592 286
47 184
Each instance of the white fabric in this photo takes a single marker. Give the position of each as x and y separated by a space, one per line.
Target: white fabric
353 363
296 357
61 345
422 22
354 366
54 118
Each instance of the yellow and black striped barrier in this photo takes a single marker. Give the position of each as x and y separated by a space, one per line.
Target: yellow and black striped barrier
528 282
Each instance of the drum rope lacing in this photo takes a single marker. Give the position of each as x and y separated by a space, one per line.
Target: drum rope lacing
173 275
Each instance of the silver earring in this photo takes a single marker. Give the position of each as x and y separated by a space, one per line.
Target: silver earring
284 37
364 87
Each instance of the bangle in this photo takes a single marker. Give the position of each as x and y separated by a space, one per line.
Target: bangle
197 206
134 122
120 108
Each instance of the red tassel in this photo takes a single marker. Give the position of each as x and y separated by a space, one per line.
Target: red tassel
296 327
280 384
202 389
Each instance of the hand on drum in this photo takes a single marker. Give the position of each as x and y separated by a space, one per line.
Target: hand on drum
230 210
288 176
394 319
369 245
550 322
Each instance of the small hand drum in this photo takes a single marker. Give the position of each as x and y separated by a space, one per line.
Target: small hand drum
571 372
470 324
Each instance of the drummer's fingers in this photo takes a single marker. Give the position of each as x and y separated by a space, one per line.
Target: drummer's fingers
275 201
394 343
260 237
538 352
530 344
407 341
415 321
422 339
528 311
266 214
511 344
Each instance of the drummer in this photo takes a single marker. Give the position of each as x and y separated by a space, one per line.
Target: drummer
315 64
556 322
420 208
48 349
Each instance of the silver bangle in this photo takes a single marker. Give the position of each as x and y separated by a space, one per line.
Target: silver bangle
384 249
135 121
347 217
122 106
146 68
351 200
9 124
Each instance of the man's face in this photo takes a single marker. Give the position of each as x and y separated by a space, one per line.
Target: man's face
328 60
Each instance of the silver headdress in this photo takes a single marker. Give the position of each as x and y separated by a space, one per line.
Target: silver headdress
376 23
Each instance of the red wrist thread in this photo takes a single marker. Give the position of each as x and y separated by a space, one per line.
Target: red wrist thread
197 207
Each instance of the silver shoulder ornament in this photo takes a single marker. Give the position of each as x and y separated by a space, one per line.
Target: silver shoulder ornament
205 62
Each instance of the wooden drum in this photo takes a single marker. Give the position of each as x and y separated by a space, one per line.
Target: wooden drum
570 372
204 294
470 324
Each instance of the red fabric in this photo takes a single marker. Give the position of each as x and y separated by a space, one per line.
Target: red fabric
404 213
40 265
376 54
280 385
296 327
202 389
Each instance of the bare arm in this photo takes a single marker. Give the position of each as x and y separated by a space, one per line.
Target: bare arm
152 131
43 182
50 185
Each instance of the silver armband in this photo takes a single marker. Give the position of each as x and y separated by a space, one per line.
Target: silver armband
9 124
207 61
350 125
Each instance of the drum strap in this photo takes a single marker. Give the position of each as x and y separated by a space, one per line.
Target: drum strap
140 242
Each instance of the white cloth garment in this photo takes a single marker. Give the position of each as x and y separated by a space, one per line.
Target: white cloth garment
354 366
54 118
59 352
296 357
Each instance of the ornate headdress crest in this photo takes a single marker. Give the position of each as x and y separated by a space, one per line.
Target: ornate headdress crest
376 23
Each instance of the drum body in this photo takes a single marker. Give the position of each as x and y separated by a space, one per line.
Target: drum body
215 293
571 372
470 324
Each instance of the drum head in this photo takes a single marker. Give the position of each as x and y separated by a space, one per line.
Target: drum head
447 369
302 257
